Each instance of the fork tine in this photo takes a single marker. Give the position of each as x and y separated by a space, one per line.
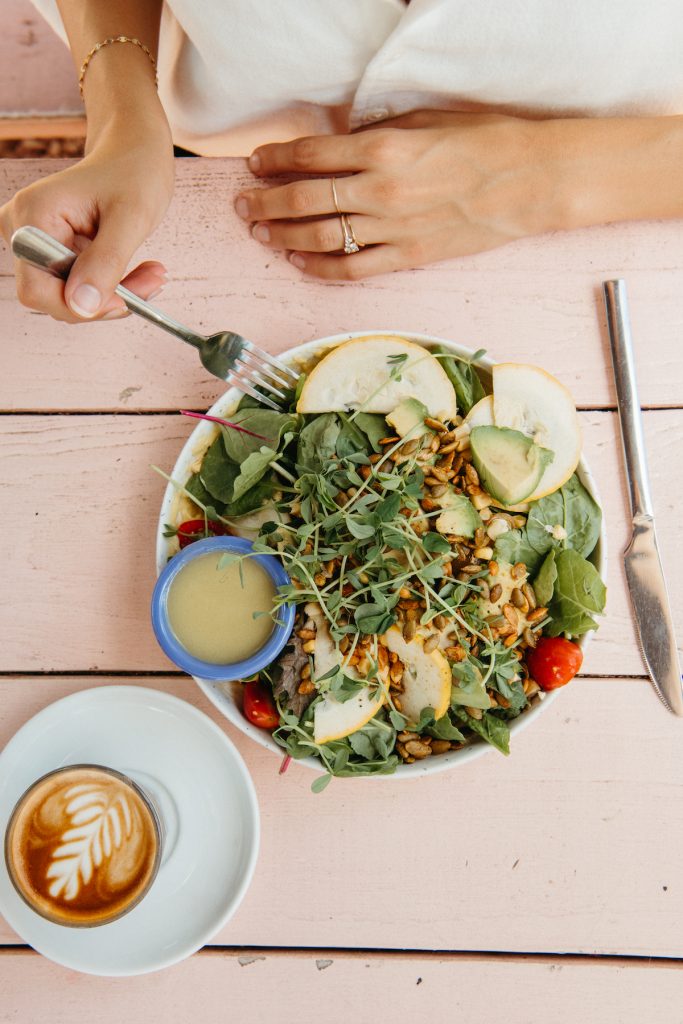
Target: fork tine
242 385
255 377
264 369
272 360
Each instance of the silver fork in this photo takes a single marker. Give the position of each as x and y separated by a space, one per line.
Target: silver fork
226 355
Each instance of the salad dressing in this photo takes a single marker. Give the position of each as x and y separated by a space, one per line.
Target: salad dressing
221 615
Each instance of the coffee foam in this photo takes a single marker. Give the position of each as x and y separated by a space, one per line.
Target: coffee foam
82 847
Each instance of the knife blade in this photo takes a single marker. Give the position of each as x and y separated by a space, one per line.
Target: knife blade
643 565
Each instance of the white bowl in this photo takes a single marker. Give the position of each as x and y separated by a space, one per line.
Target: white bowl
227 696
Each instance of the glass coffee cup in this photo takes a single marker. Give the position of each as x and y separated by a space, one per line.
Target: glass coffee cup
83 845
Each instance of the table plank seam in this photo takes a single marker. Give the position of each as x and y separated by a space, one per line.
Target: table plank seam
330 952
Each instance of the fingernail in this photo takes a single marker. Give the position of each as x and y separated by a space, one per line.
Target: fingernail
115 314
85 301
255 162
261 232
242 208
297 260
158 291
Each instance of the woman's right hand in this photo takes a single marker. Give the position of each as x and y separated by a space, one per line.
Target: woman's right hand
103 207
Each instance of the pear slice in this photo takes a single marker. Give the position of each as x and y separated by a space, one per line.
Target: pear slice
358 374
530 400
427 677
481 414
333 719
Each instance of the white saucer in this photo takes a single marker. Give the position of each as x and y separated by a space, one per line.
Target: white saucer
206 797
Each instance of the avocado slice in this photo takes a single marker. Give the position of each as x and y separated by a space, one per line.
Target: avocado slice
509 464
408 418
459 516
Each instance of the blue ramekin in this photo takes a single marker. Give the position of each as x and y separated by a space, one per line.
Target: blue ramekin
170 644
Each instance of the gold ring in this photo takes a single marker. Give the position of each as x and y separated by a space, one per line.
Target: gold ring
334 196
351 243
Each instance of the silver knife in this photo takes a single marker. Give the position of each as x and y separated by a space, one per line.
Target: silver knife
643 565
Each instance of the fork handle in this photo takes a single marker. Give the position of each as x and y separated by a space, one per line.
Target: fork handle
41 250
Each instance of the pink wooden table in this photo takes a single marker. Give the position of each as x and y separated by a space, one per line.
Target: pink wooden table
541 887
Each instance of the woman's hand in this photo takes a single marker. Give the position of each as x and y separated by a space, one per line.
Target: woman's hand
103 207
423 187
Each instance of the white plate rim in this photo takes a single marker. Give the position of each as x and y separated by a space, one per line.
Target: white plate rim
221 699
142 694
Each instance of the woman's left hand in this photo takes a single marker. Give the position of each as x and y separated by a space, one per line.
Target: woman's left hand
423 187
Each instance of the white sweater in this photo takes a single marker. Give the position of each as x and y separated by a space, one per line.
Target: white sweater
236 73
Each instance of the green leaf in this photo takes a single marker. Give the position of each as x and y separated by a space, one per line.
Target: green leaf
373 426
218 473
544 584
494 730
254 467
443 729
317 442
196 489
254 498
344 687
387 510
579 594
358 529
469 688
270 424
373 618
514 546
321 783
436 543
468 388
574 510
397 719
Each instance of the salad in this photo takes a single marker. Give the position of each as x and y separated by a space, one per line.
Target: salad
438 541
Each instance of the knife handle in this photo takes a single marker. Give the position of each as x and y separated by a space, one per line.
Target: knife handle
630 418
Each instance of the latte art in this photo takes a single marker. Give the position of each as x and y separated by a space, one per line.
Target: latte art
82 846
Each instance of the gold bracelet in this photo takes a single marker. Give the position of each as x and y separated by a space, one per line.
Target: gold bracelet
107 42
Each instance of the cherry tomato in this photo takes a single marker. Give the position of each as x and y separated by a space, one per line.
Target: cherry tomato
259 706
196 529
554 661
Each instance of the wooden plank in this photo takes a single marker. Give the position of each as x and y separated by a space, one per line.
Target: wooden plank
263 987
81 503
37 74
42 127
572 844
537 300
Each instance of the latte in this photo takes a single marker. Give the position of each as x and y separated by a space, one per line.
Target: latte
83 845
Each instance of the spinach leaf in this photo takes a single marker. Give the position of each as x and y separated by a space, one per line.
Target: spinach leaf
351 441
443 729
253 469
579 594
374 427
218 473
317 442
514 546
544 584
272 425
571 508
196 488
466 383
255 498
494 730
